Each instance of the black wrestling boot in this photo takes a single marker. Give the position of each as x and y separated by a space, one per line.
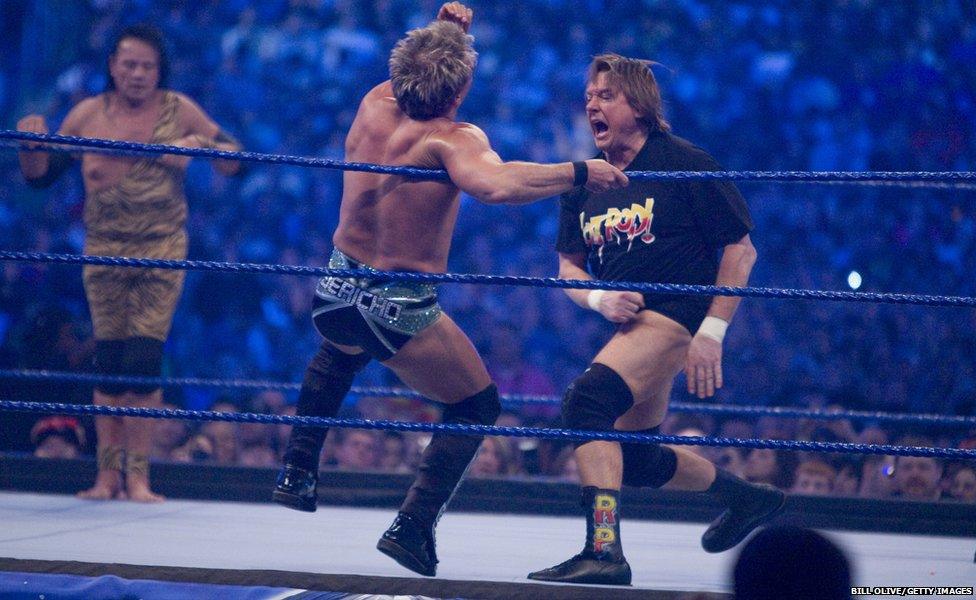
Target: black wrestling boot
602 560
327 379
586 568
296 488
410 540
748 506
411 544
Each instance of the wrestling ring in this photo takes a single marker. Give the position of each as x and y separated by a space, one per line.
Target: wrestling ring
193 547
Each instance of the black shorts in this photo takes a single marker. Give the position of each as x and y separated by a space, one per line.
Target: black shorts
688 311
377 315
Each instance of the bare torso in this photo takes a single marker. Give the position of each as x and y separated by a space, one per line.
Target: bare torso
390 222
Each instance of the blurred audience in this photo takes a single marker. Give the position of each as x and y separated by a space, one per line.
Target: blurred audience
356 449
770 466
961 483
494 459
57 437
917 477
813 477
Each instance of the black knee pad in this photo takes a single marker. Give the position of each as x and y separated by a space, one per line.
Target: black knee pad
108 361
595 400
648 465
143 357
481 409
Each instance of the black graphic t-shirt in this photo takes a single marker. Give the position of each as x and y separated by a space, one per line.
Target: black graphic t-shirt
658 231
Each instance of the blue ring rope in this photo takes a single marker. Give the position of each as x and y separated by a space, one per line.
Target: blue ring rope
547 282
924 185
441 175
239 155
512 400
928 185
534 432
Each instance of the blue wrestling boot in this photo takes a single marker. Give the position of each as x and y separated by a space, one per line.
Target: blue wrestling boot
296 489
411 544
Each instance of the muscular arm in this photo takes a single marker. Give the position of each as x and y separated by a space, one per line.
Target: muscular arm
202 132
703 366
41 169
573 266
478 170
225 141
733 270
34 165
616 307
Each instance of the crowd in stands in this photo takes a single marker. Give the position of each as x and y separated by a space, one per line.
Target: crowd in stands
767 85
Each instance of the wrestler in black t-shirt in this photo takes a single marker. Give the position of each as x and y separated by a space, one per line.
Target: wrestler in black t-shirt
658 231
683 231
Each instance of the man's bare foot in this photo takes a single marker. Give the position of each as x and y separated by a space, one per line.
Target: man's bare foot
138 491
108 486
99 492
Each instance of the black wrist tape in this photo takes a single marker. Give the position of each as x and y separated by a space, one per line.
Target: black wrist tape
581 173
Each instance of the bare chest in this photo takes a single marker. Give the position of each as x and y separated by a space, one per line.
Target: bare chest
101 170
117 125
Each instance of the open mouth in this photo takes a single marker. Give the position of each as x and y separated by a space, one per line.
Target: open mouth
599 128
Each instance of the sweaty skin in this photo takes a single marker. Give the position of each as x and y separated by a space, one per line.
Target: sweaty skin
391 222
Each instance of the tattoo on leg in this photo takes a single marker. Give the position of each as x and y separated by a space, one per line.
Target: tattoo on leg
137 464
109 458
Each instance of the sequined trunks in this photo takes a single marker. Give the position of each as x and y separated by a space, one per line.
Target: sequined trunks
378 315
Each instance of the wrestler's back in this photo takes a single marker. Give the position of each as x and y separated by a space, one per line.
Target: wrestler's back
386 221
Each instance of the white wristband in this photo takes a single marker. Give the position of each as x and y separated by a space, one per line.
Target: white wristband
714 328
593 300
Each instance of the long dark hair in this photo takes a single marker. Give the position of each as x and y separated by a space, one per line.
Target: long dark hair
147 34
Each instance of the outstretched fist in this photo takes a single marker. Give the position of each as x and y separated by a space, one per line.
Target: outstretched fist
455 12
32 124
603 176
